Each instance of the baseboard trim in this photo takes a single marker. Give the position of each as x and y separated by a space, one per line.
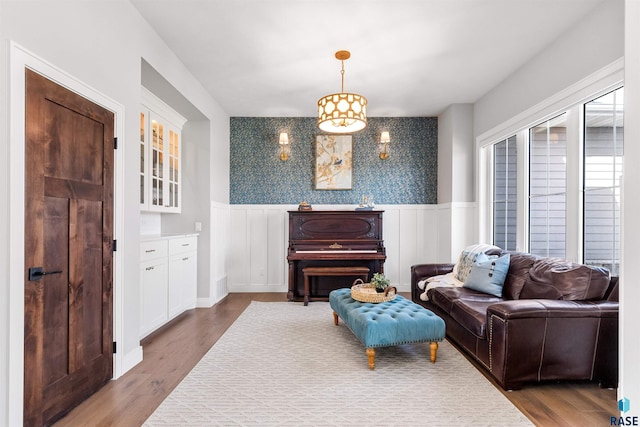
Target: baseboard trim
129 360
205 302
254 287
406 287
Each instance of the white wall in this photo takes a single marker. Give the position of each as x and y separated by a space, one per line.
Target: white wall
595 42
456 182
630 291
195 196
445 155
99 43
456 164
221 238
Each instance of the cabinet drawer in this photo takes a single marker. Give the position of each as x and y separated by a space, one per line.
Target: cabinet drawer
183 244
153 249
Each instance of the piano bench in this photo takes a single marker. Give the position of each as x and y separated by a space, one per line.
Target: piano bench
386 324
308 272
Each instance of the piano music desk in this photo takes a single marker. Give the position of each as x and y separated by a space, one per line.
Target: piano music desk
331 271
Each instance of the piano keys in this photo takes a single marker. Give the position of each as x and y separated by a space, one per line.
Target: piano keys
328 239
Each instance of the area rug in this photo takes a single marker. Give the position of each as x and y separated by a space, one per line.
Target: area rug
284 364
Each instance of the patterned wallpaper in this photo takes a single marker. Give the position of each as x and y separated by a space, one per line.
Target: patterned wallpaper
258 176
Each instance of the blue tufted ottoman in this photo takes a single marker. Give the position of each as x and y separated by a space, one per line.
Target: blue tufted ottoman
386 324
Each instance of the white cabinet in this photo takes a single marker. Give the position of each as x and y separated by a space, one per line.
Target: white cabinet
153 285
168 273
183 270
160 155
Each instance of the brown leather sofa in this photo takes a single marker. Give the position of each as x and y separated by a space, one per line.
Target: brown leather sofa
555 321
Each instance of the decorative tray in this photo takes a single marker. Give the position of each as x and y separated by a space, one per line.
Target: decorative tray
365 292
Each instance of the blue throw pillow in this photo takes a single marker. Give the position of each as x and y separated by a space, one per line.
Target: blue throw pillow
488 274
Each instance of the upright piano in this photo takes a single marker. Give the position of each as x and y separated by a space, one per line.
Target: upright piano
332 238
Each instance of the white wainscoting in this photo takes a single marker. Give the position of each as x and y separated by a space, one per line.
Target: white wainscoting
458 225
259 236
221 239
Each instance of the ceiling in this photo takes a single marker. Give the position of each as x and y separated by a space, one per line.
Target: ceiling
275 58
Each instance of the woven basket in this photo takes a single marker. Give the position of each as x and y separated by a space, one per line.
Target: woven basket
366 292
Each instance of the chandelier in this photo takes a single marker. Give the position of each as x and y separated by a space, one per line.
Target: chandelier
342 112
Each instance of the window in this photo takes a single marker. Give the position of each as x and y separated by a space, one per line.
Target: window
504 194
568 169
568 166
548 188
603 147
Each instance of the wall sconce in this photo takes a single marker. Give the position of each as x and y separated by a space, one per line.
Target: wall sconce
383 145
284 146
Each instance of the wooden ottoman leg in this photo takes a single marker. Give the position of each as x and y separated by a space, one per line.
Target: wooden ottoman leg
434 350
371 355
335 318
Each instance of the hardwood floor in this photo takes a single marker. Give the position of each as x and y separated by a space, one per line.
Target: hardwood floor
170 353
580 404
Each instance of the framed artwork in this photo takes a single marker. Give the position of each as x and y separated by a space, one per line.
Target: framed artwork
334 162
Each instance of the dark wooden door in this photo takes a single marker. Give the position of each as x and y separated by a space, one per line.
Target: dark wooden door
68 234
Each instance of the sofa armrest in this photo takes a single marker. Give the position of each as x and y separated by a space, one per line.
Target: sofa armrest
544 340
423 271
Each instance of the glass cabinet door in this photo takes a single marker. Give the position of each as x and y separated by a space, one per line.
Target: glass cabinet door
160 169
157 163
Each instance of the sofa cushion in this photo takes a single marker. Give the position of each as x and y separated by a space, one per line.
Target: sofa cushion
444 298
518 274
472 315
552 278
488 274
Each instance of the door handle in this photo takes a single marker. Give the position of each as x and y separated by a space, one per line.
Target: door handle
36 273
